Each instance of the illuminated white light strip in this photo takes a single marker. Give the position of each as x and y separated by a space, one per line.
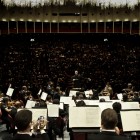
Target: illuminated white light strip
101 3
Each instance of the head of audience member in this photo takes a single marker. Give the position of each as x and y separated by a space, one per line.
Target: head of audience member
24 88
117 107
102 100
109 119
125 97
129 86
76 72
23 120
80 103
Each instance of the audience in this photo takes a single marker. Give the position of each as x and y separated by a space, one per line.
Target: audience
49 62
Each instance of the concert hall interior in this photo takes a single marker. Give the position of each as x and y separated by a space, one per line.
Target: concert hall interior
74 65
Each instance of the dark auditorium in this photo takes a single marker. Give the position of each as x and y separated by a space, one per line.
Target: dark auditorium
69 69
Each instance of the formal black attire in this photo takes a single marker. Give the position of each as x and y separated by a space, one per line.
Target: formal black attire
77 81
6 118
136 99
106 135
53 128
28 137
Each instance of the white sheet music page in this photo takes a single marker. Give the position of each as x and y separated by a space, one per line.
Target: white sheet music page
43 96
61 105
36 113
130 105
30 104
120 96
10 92
105 105
65 100
84 117
53 110
130 120
88 93
72 93
39 92
107 98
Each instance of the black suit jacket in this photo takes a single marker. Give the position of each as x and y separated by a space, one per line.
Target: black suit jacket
106 135
28 137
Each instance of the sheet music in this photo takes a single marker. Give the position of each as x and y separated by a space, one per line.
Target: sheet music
88 93
72 103
43 96
116 101
105 105
73 93
120 96
130 120
107 98
130 105
39 112
61 106
84 117
10 92
91 102
65 100
36 113
30 104
39 92
53 110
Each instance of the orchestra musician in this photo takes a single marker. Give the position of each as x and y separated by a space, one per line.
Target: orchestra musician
24 95
107 91
5 114
129 91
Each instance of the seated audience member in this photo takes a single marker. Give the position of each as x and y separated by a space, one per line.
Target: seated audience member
109 131
117 107
23 122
